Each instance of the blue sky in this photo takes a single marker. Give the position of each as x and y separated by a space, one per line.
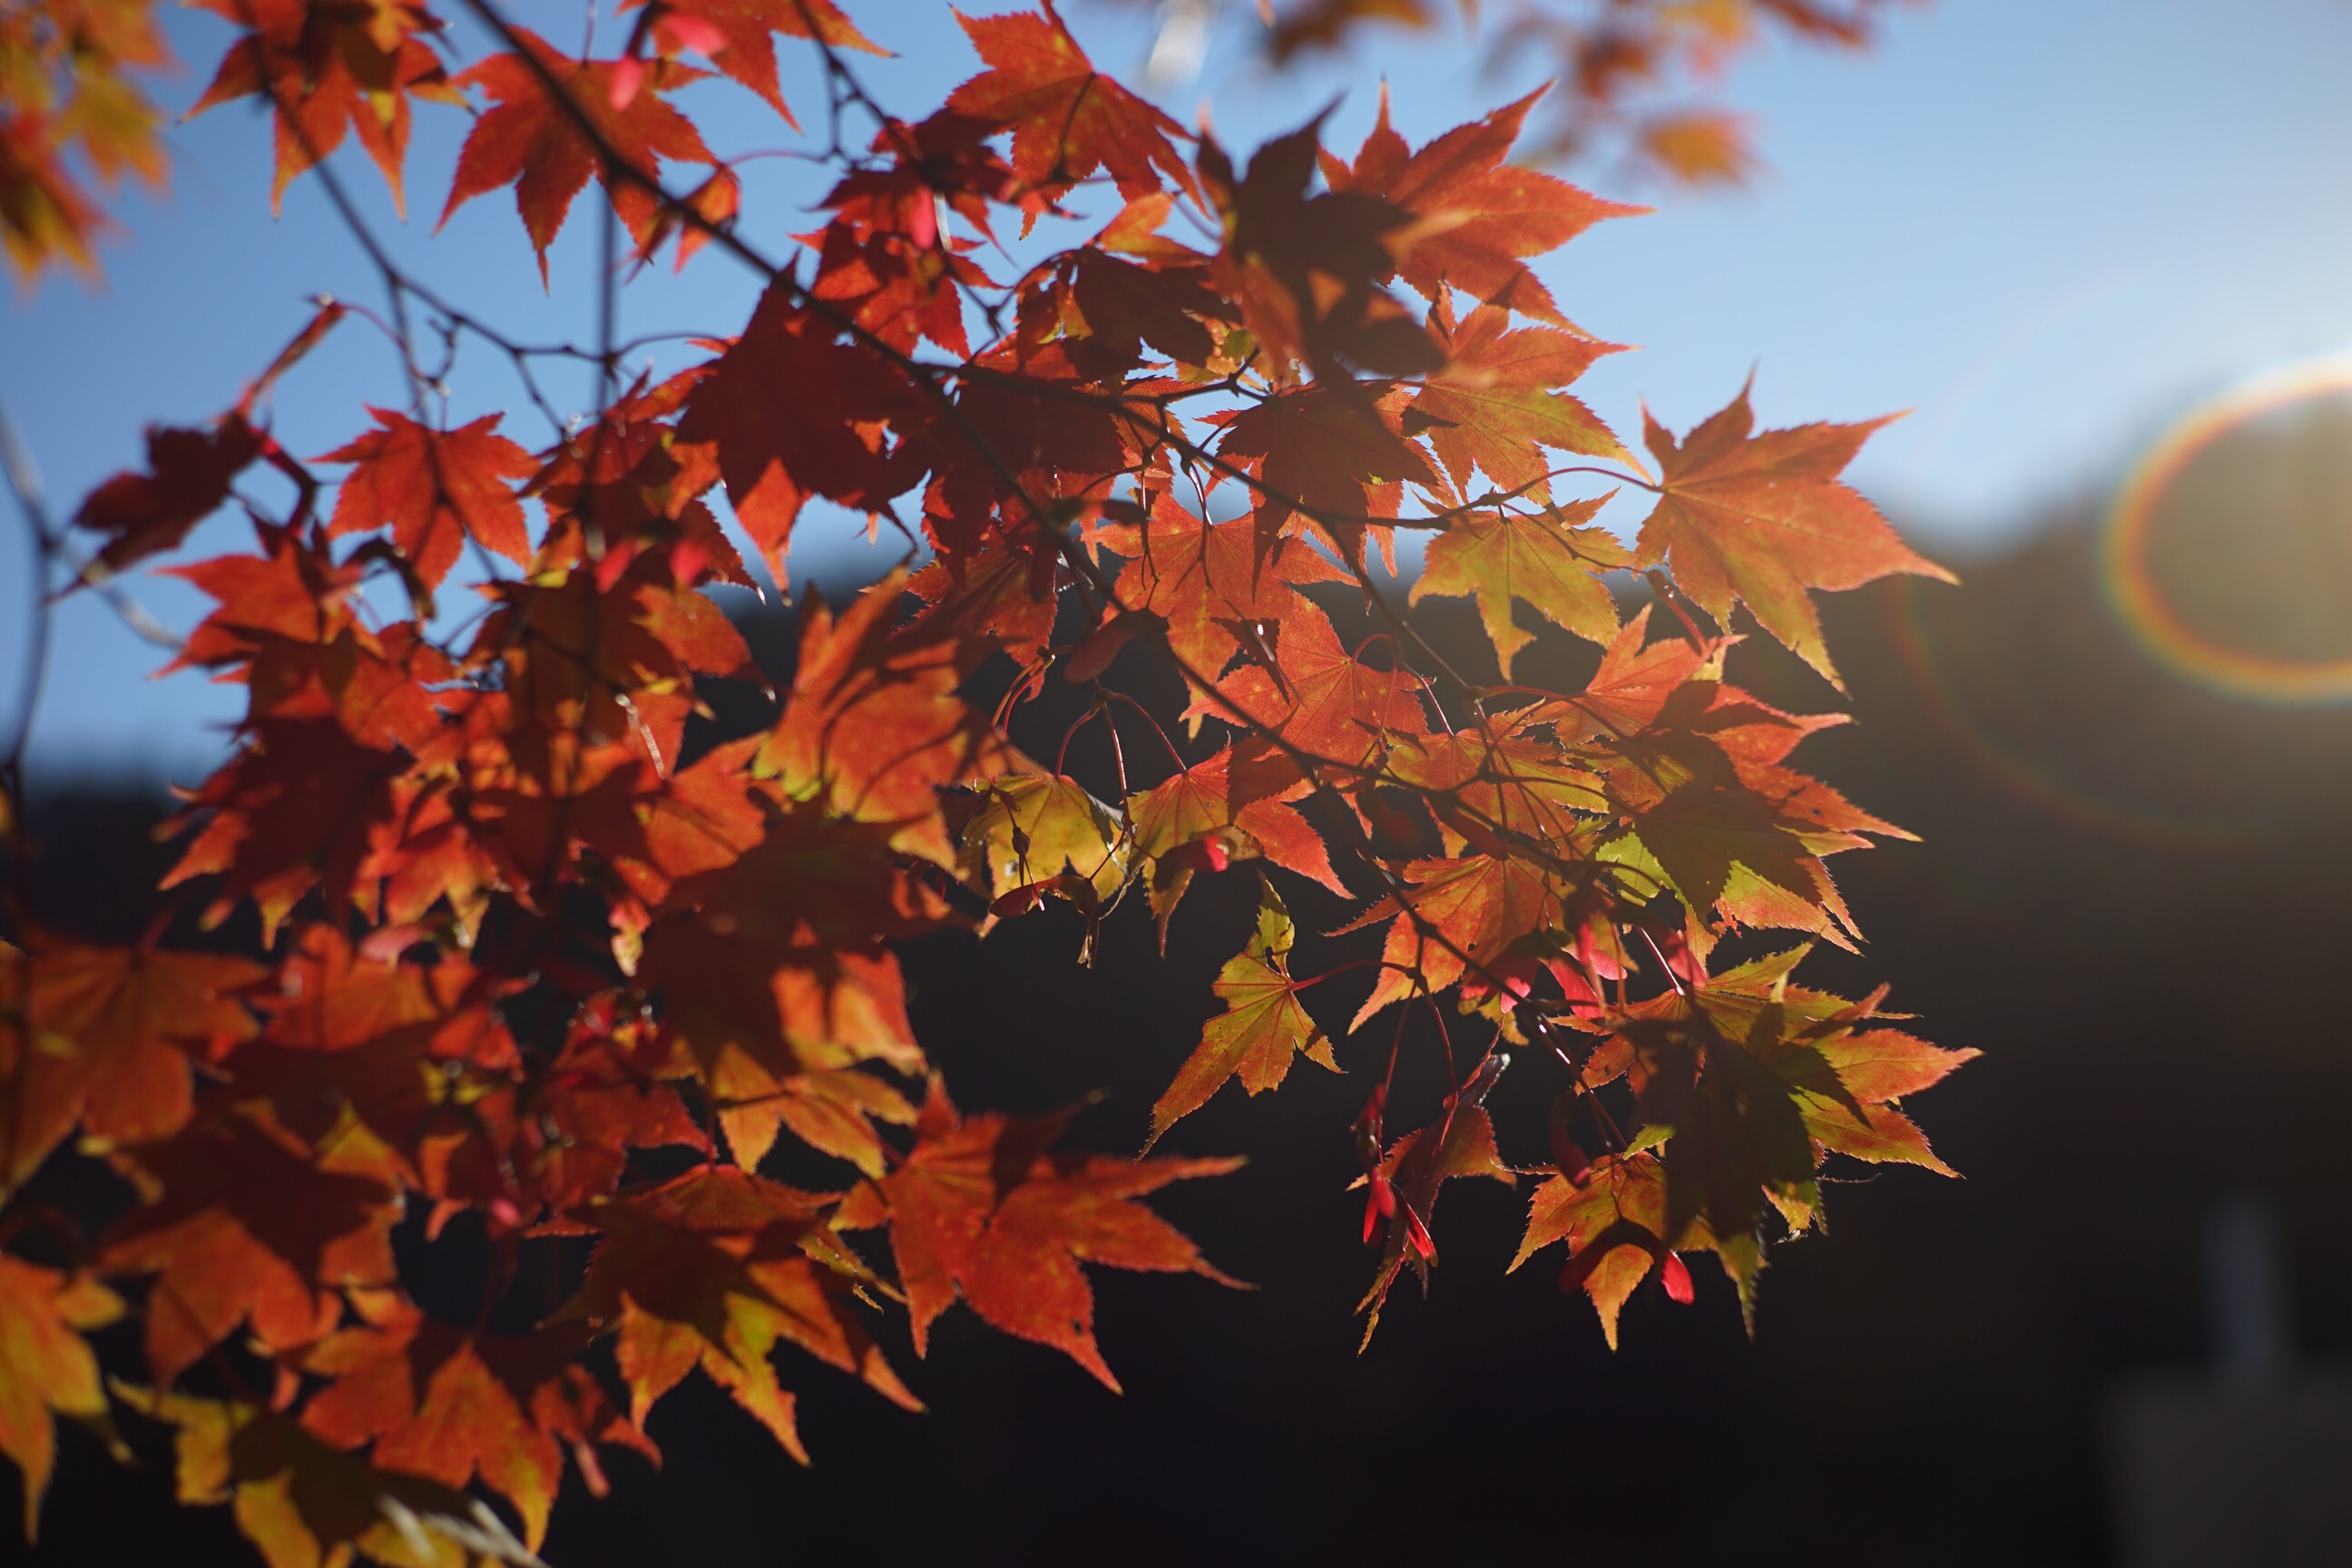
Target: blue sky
2043 226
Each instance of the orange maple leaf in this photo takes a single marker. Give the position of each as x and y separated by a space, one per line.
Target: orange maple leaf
448 1405
1762 519
714 1269
979 1209
874 726
45 1365
104 1037
245 1226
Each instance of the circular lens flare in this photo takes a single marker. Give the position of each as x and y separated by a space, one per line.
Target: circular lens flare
2139 600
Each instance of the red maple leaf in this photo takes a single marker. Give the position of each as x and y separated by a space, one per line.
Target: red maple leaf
776 453
531 141
187 478
437 489
1067 118
1481 216
328 67
733 35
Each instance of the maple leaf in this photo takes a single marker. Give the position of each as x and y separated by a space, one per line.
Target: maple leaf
1843 1079
1495 406
1325 700
327 68
1502 795
1735 1127
832 1110
1003 593
1028 828
45 212
1263 1026
289 811
1701 147
1611 1220
277 612
188 478
437 489
776 454
873 726
783 957
451 1406
1163 300
733 34
1632 687
245 1229
1469 911
1762 519
601 1098
1229 807
1317 453
1552 563
45 1365
597 661
103 1035
415 1058
979 1208
1306 270
1479 216
70 90
1724 847
303 1504
1210 582
1068 119
539 146
713 1270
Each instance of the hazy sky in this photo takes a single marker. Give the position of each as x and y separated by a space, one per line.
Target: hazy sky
2043 225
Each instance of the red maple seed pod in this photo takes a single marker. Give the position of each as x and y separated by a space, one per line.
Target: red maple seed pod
1207 853
1380 1204
1366 1131
1677 1279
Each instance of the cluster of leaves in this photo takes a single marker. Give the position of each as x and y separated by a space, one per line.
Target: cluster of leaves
1626 74
66 90
1631 66
534 969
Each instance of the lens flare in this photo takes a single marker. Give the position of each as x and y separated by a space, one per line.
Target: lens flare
2129 579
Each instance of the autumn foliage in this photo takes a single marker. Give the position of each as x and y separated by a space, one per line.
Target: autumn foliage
532 966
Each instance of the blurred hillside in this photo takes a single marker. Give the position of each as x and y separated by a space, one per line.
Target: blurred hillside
2131 896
